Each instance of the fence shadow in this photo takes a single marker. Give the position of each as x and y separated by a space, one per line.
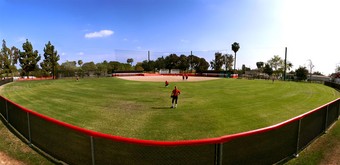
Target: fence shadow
161 107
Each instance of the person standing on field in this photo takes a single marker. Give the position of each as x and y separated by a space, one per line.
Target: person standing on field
166 83
174 96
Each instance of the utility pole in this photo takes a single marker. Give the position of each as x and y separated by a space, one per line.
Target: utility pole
225 63
148 55
284 72
191 61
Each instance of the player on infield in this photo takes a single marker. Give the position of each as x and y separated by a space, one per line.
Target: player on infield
174 96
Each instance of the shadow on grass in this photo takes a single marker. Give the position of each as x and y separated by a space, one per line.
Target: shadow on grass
161 107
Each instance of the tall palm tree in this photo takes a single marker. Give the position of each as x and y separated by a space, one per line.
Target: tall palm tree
235 47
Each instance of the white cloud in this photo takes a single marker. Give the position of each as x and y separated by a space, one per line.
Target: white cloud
80 53
21 39
99 34
184 41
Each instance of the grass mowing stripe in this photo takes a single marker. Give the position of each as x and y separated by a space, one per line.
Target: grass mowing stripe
141 109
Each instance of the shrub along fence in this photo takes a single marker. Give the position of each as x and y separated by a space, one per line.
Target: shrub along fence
74 145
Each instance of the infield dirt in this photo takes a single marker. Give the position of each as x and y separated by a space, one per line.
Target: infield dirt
166 78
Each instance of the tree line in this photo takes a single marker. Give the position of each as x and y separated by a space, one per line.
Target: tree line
28 59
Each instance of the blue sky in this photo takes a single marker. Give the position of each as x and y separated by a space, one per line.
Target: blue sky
97 30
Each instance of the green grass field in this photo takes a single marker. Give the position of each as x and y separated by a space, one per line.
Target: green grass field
142 109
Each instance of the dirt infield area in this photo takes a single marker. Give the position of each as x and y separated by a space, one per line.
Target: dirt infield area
166 78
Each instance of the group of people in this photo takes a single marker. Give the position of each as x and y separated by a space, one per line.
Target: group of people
174 95
185 76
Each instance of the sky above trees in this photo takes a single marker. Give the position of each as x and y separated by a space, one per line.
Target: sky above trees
93 30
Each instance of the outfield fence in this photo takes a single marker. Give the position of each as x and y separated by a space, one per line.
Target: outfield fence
332 84
75 145
5 81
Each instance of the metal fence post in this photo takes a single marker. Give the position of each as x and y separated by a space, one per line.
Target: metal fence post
298 139
218 153
29 129
6 111
338 109
92 150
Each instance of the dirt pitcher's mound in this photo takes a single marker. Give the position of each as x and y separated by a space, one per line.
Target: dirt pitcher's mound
166 78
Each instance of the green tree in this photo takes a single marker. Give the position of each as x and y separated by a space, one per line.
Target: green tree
196 63
8 59
337 68
14 56
106 65
260 66
301 73
68 68
113 66
276 63
139 67
80 71
126 67
171 61
4 58
129 61
80 62
244 69
50 62
229 59
160 63
89 67
218 62
317 73
191 61
201 65
29 58
235 47
267 69
183 63
289 66
148 65
101 68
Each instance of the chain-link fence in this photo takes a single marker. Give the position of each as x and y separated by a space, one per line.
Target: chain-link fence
5 81
74 145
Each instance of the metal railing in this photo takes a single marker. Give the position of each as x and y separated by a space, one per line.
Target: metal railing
75 145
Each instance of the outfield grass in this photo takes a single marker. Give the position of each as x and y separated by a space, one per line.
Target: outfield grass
142 109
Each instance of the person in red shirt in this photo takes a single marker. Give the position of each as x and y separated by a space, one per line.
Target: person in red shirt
166 83
174 96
